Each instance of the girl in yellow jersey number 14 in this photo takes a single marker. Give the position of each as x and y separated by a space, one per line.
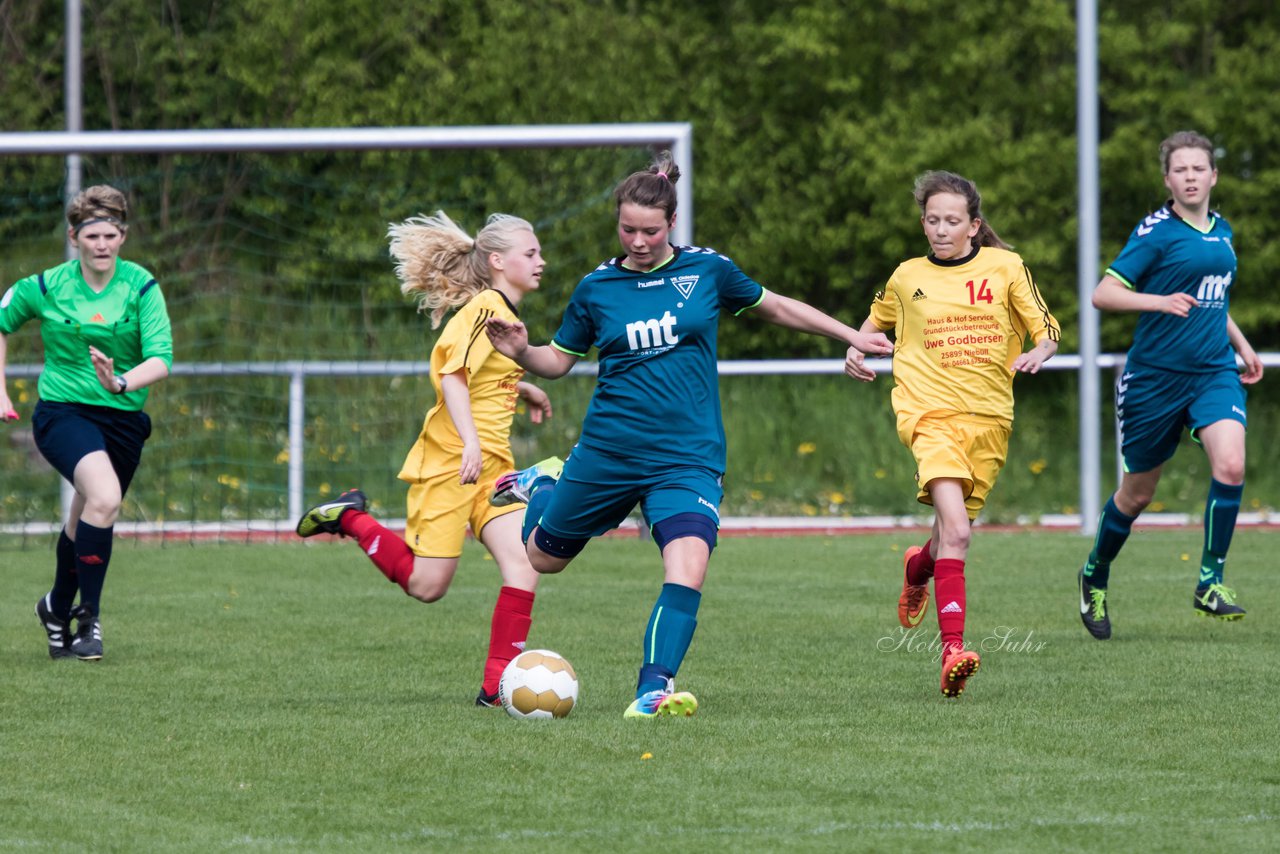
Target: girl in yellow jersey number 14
960 316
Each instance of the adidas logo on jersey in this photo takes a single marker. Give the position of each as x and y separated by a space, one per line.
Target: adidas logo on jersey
918 295
98 318
953 608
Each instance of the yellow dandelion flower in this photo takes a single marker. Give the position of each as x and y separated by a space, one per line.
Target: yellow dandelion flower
756 495
325 489
881 474
809 509
837 498
1184 557
1157 506
283 457
1038 466
806 448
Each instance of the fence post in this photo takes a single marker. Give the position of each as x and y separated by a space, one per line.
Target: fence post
297 417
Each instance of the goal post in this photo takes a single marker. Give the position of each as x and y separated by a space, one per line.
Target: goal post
676 135
258 406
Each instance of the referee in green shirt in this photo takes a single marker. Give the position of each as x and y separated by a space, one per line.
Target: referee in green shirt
106 337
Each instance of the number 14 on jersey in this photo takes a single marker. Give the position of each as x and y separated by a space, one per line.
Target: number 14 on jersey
978 293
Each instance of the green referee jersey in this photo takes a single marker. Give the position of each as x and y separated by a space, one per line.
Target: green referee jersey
127 321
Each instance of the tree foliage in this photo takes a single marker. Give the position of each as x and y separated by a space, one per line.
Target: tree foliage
811 118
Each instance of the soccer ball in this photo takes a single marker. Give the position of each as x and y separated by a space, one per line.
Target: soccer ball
538 683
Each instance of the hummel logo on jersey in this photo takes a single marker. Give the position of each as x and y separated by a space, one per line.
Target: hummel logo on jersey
953 608
648 334
98 318
373 547
705 503
652 283
1152 221
684 284
919 294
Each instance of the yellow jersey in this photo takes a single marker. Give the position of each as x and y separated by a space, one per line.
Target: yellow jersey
491 379
959 326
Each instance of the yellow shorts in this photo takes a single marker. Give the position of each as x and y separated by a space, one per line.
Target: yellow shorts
440 508
968 448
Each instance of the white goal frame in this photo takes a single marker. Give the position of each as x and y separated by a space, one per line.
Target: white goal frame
676 136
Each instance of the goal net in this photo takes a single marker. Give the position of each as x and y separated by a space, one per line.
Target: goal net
300 370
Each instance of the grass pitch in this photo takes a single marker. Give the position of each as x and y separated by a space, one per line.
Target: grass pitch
287 698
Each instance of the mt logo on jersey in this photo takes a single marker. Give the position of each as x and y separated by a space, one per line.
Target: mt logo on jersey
649 334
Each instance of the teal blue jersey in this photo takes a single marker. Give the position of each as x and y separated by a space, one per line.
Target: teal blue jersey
127 320
1167 255
657 397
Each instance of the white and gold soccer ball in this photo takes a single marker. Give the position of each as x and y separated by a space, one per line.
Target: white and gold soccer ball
538 683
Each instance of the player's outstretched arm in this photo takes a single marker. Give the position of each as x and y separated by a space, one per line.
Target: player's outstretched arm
793 314
512 340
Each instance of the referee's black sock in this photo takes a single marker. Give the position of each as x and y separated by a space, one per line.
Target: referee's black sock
93 554
65 583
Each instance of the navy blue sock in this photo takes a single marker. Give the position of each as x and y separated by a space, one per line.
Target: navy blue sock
93 555
65 581
1220 512
539 497
667 637
1113 530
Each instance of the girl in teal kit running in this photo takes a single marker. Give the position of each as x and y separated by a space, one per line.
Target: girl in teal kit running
653 434
1178 269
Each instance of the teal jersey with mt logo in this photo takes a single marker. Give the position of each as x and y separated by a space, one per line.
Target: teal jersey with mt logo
657 396
1167 255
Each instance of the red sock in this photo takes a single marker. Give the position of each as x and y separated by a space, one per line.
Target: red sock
920 567
948 595
512 616
388 552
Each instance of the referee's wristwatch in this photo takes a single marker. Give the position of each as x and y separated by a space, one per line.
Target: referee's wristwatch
122 384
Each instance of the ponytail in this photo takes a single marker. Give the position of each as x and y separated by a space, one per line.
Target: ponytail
442 266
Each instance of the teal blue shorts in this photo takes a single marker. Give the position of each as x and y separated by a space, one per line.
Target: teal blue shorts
598 490
1153 407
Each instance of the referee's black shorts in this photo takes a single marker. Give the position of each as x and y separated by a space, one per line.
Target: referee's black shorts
66 432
